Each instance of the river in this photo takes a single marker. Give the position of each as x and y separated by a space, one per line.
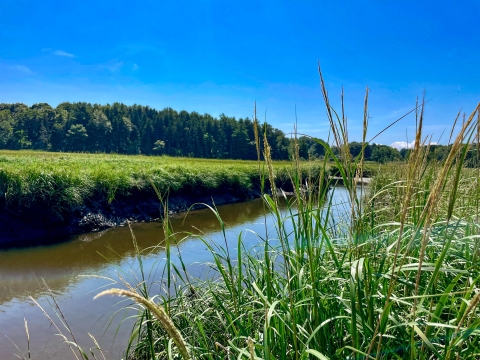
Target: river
77 269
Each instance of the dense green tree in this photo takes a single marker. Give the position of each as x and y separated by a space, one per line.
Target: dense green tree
21 140
355 148
405 153
241 143
316 150
368 151
76 138
304 143
6 129
59 130
383 154
42 142
99 130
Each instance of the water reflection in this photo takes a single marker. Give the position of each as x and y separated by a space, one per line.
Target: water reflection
60 264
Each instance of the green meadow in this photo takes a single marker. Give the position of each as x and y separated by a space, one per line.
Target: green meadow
61 181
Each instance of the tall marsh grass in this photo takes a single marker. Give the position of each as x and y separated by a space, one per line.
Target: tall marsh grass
60 182
400 279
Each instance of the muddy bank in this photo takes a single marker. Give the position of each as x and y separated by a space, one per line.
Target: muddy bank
22 227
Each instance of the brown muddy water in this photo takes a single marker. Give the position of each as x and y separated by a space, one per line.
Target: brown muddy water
77 269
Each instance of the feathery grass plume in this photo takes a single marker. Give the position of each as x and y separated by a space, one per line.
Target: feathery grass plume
255 132
361 163
268 160
159 313
349 173
333 123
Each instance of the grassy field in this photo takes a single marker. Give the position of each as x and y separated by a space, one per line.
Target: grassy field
61 181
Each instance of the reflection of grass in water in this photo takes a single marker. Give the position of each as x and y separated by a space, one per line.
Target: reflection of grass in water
400 279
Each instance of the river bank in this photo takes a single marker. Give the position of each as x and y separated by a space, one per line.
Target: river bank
50 196
37 226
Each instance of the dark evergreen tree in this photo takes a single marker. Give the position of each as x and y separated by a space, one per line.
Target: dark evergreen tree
76 138
134 129
6 129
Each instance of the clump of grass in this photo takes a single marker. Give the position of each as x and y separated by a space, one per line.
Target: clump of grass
400 280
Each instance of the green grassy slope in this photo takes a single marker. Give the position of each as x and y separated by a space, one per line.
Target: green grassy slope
63 180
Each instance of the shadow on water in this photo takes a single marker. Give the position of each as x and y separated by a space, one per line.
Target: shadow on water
64 266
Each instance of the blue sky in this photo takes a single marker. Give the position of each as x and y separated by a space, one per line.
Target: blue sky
220 56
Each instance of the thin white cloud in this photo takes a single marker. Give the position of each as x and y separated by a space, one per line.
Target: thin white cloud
399 145
134 67
402 145
391 116
23 69
63 53
114 66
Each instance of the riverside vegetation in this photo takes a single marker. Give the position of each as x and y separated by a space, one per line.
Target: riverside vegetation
398 279
49 196
58 190
62 181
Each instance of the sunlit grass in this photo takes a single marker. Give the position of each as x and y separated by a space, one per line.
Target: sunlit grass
398 279
61 181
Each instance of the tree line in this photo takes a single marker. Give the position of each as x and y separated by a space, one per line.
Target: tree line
434 152
118 128
136 129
